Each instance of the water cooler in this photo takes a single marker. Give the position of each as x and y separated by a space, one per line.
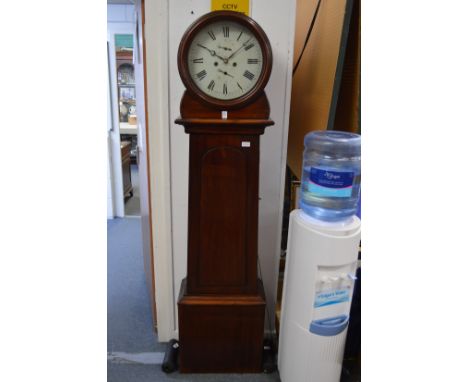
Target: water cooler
319 280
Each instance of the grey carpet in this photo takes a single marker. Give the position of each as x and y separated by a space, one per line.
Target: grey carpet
153 373
129 324
132 205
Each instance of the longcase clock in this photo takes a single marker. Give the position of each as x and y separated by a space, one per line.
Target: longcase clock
224 61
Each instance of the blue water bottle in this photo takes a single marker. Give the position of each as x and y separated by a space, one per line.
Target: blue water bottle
331 175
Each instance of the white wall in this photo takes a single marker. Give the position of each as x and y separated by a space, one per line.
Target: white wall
120 13
157 93
277 19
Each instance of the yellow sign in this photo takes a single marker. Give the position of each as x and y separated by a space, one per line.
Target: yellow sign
231 5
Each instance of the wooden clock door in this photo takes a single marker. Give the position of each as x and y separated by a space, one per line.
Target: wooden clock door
223 213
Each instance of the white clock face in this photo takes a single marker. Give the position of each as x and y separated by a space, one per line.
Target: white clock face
225 60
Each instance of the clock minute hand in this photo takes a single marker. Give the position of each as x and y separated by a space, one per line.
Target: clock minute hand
213 53
242 46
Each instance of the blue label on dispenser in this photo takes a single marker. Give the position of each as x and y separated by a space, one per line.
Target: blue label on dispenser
331 297
330 183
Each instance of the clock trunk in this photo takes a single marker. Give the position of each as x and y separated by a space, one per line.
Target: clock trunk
222 302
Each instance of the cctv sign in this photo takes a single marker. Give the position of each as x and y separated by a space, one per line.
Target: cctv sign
241 6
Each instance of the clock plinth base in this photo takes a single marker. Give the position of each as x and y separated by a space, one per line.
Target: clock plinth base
221 333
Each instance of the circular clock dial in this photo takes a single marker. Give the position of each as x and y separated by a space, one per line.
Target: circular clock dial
225 60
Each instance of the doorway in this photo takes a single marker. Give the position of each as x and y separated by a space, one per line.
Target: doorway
128 130
126 85
128 157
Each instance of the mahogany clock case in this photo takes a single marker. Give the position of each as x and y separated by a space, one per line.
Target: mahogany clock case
222 303
191 33
221 306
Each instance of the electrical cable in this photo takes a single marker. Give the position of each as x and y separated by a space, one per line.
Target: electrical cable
311 27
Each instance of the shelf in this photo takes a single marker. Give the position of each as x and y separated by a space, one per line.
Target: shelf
126 128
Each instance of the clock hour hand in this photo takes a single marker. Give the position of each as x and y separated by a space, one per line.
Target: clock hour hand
225 73
213 53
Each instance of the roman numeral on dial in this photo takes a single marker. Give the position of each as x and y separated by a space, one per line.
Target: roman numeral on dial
240 87
201 75
212 35
211 85
249 46
252 61
224 89
226 31
198 60
249 75
240 34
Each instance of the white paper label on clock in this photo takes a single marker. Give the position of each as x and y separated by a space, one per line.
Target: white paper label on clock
224 114
245 144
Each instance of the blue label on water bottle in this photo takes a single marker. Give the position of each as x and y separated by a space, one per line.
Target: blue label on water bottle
338 184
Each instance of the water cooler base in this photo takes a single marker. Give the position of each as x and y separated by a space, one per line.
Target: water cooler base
319 280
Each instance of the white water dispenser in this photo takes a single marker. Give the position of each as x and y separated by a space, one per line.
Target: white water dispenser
318 286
